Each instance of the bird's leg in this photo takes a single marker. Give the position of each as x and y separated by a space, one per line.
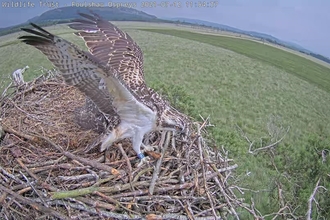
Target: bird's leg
149 147
137 142
160 145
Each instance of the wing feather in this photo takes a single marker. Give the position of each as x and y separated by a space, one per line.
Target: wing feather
84 71
113 47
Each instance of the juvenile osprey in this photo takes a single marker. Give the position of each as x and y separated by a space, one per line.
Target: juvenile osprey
117 61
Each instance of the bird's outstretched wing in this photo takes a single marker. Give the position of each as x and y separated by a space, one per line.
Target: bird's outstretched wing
112 46
84 71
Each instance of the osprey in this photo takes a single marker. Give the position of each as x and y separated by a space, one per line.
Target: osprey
111 75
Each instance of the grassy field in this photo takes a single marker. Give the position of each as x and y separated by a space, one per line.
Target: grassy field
236 82
301 67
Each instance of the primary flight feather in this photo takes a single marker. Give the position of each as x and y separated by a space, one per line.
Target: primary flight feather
115 61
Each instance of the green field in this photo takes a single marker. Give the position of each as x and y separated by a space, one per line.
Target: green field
238 83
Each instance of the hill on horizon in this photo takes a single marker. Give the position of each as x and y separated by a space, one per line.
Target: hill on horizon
109 13
66 14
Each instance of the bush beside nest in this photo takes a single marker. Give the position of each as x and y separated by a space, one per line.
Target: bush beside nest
45 172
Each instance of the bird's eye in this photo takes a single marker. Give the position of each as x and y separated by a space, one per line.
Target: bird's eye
178 128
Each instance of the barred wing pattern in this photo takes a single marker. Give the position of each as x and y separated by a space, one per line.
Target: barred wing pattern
113 47
117 49
111 75
82 70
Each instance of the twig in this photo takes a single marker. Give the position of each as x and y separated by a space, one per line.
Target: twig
226 198
19 134
164 197
157 190
312 198
94 210
81 159
19 161
33 204
130 170
159 162
12 177
199 143
109 199
268 146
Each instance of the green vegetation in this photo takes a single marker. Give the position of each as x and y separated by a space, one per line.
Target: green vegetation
248 89
301 67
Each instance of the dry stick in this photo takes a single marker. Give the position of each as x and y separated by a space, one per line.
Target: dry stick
19 134
24 190
96 204
32 187
25 91
159 162
281 213
121 216
210 209
139 174
199 141
100 181
165 169
87 176
4 93
312 198
92 163
47 163
33 204
164 197
120 146
93 210
26 113
219 171
66 166
157 190
226 197
280 196
84 191
221 188
109 199
261 148
19 161
12 177
189 212
269 146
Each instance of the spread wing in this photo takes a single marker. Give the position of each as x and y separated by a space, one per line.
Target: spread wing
84 71
113 47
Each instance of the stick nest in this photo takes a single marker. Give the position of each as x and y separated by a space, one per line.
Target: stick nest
45 173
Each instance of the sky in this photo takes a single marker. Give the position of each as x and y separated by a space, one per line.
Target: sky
304 22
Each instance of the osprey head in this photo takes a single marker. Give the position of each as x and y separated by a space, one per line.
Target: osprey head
172 119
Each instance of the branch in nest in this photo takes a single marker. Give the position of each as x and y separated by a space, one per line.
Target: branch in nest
92 163
19 134
34 205
117 188
159 162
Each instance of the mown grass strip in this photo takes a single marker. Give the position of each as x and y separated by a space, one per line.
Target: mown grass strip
306 69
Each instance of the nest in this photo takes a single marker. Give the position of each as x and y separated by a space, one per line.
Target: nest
45 172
